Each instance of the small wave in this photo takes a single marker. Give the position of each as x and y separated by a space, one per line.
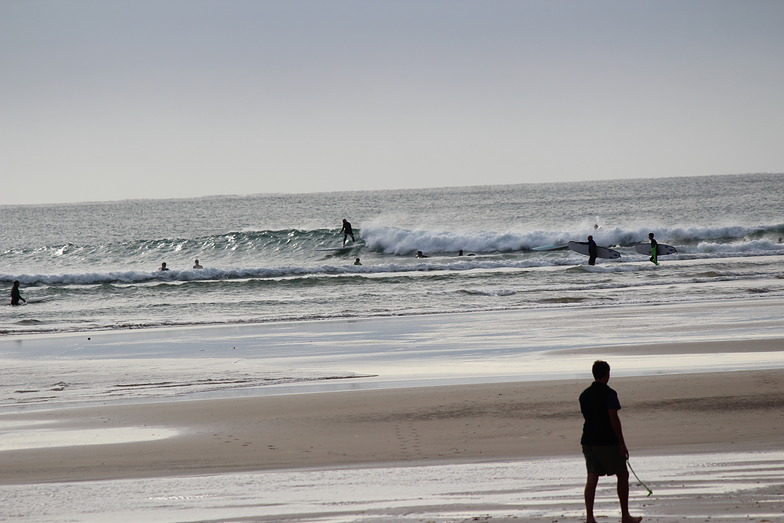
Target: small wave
30 322
476 292
564 299
708 274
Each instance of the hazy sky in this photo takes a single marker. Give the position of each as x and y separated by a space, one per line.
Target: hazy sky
116 99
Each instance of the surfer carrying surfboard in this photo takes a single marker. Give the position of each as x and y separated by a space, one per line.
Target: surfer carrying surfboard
591 251
15 295
347 231
654 249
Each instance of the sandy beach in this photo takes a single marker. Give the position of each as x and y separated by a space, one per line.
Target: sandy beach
664 417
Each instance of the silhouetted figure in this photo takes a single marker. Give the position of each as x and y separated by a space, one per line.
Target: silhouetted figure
591 251
602 440
347 231
16 296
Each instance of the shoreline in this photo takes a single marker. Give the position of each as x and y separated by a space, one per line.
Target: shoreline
156 365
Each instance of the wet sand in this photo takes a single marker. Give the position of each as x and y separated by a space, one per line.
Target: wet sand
709 444
663 416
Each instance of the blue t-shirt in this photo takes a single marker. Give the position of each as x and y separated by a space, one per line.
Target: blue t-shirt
596 402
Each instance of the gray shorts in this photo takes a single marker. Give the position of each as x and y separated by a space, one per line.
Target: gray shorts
604 460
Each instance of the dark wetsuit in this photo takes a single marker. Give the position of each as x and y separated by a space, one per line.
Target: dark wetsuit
591 252
15 296
347 231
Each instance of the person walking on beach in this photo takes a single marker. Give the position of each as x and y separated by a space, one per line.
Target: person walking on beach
654 249
15 294
602 441
347 231
591 251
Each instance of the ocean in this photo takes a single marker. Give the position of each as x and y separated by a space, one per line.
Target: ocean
272 312
93 266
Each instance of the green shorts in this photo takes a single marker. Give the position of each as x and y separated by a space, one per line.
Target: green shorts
604 460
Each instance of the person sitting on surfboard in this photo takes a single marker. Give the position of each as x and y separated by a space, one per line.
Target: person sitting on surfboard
197 265
591 251
163 267
654 249
15 295
347 231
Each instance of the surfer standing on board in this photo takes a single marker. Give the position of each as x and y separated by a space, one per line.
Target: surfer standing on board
591 251
654 249
347 231
15 295
602 440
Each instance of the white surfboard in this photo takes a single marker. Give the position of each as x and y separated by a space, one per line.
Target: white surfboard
337 249
42 299
553 247
662 250
601 252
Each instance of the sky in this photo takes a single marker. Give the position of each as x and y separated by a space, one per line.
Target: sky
124 99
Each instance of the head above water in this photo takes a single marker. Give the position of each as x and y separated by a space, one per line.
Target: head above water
600 370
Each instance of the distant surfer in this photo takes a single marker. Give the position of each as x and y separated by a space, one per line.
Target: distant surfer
347 231
420 255
654 249
15 295
460 252
591 251
357 262
163 267
197 265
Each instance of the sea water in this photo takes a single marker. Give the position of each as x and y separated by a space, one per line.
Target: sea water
93 266
271 308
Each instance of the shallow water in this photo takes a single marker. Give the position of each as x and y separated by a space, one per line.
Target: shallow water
707 486
49 370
